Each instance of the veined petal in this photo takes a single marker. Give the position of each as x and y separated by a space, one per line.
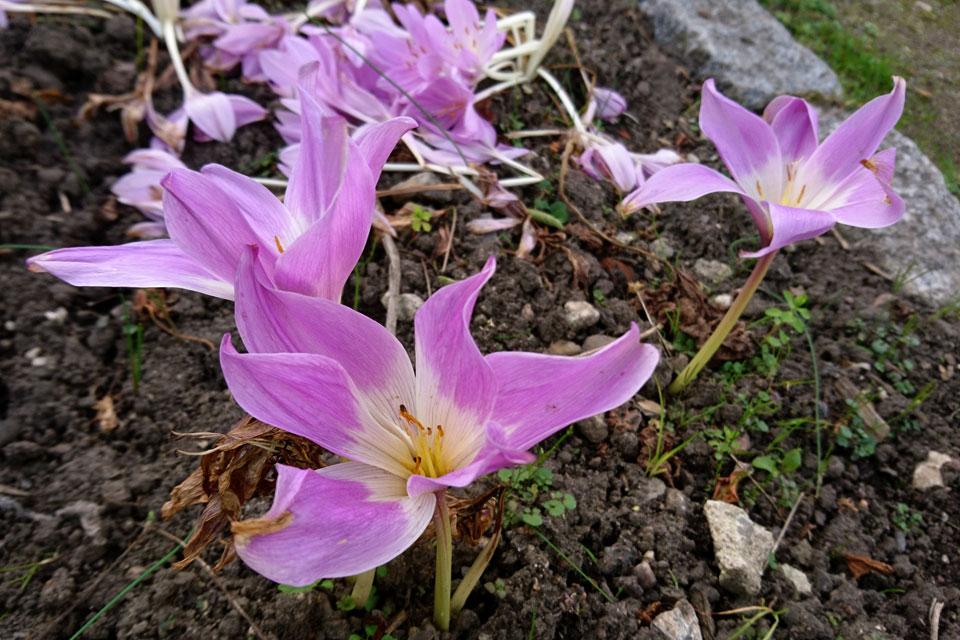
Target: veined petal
321 162
337 521
745 142
794 122
540 394
319 262
870 202
855 140
679 183
312 396
152 263
205 222
275 321
791 224
377 141
213 114
455 385
264 213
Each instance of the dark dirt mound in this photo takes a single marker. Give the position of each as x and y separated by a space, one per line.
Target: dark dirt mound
76 491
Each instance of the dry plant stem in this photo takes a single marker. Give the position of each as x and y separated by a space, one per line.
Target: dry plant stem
446 253
53 8
362 587
786 524
936 607
725 327
393 288
469 582
441 592
216 580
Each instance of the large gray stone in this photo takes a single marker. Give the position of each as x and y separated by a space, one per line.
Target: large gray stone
923 248
751 55
680 623
741 546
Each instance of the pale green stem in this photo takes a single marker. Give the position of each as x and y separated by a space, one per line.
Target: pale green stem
725 327
170 39
441 593
470 580
362 588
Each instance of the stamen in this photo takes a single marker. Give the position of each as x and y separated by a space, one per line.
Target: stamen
800 197
440 430
416 467
759 189
869 164
279 246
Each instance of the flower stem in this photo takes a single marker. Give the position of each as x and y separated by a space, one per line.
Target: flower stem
725 327
362 588
441 594
473 575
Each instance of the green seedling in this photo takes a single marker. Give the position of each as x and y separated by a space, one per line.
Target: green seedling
133 335
497 588
906 519
29 570
888 345
557 209
853 434
420 219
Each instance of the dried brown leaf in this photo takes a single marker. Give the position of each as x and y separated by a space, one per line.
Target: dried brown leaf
859 565
18 109
243 530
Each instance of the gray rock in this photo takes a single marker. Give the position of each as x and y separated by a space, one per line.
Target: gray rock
594 429
798 579
564 348
711 271
649 490
407 305
751 55
645 575
680 623
677 502
722 300
597 341
580 314
927 474
923 248
742 547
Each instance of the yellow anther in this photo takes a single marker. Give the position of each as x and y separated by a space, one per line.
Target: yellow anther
416 467
279 246
440 430
802 190
759 189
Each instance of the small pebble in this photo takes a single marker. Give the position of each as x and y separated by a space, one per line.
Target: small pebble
580 314
10 325
57 316
723 300
32 353
564 348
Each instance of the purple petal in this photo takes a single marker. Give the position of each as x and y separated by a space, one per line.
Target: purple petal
866 199
377 141
794 122
792 225
745 142
245 110
455 386
321 162
312 396
346 519
262 211
855 140
206 223
212 113
540 394
678 183
319 262
274 321
610 104
492 225
154 263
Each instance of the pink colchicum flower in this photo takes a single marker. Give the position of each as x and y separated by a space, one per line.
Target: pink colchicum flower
141 188
309 243
320 370
605 104
794 188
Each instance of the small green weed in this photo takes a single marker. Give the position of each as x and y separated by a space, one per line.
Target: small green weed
852 433
497 588
906 519
888 345
420 219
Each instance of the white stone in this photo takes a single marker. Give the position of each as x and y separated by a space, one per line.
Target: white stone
10 325
407 305
711 272
597 341
57 316
723 300
580 314
680 623
32 353
564 348
798 579
751 55
741 546
927 474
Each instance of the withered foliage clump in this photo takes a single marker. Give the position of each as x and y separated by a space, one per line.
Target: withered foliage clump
237 467
698 316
